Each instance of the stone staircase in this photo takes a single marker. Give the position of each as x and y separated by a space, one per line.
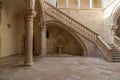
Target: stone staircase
116 50
78 28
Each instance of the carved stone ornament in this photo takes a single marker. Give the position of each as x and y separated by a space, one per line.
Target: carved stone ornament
29 14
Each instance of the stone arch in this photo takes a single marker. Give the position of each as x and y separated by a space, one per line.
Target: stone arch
80 42
115 14
114 18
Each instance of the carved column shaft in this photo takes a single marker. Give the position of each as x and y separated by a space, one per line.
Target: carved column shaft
29 17
43 41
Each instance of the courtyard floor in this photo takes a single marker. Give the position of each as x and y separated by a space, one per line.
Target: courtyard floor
59 68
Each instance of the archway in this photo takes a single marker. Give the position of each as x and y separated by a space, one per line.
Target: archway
114 18
59 37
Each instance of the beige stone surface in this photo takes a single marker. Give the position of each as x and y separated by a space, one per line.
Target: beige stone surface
59 68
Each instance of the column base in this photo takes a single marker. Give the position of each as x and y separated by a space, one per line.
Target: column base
28 63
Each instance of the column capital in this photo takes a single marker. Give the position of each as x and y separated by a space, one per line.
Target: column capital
43 27
29 14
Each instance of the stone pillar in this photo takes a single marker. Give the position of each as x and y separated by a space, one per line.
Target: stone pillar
43 41
90 3
78 3
29 17
67 3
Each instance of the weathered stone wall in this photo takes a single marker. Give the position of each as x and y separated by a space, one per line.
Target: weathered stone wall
8 32
91 18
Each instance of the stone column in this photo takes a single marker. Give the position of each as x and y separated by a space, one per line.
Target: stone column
90 3
29 17
43 41
67 3
78 3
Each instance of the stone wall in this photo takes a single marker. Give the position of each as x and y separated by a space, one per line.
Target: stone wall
8 33
91 18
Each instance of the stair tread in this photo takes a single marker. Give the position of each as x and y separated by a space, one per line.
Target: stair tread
116 57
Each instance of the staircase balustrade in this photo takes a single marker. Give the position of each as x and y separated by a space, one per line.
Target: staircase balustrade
80 29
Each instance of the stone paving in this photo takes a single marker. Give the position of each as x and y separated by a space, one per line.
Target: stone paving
59 68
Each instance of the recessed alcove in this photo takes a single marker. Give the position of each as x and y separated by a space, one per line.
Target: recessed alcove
62 42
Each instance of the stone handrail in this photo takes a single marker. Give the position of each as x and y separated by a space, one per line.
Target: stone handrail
104 48
117 41
79 28
70 22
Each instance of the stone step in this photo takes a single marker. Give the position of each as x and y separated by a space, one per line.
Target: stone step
115 49
116 59
116 55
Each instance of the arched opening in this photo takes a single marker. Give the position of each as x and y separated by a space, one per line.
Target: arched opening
61 41
114 20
